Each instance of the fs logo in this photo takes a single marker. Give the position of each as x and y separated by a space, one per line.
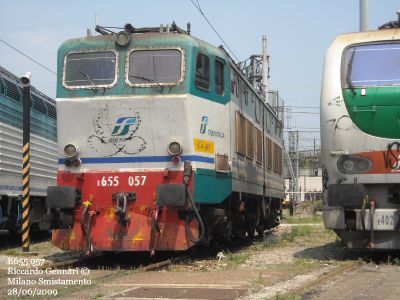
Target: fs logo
121 128
203 126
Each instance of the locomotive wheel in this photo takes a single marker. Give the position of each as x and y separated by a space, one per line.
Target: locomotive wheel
225 228
251 225
261 228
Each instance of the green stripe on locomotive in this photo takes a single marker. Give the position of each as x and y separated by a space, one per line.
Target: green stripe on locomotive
211 187
378 113
189 44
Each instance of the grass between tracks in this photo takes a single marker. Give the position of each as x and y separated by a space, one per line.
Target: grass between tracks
287 239
314 219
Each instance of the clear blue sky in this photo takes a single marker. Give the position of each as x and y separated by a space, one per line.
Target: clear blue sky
299 32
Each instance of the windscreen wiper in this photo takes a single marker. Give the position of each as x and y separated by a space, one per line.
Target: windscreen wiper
348 74
146 79
88 77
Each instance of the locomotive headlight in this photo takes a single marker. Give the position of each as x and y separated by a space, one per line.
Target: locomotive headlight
350 164
123 39
174 148
70 150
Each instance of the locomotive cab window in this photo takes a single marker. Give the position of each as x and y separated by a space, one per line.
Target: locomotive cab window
155 67
371 65
94 69
219 77
202 79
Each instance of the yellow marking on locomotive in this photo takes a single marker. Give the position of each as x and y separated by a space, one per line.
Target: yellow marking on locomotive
143 207
88 202
110 214
203 146
72 236
138 237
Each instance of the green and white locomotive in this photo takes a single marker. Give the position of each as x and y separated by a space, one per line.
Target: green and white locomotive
163 144
360 134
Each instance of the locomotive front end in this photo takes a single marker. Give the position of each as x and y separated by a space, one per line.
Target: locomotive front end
360 132
128 145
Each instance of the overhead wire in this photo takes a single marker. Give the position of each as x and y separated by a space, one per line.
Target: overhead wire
305 112
209 23
293 106
30 58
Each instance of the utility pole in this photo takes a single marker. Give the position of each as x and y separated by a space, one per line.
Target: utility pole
363 15
265 62
294 159
26 128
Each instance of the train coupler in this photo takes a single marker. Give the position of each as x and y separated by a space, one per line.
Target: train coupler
121 200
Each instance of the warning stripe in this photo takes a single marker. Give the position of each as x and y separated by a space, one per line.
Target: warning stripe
25 147
25 180
25 198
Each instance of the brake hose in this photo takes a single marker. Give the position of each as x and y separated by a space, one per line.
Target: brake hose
83 227
363 213
198 217
88 241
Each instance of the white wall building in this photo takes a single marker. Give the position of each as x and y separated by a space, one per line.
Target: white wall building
310 184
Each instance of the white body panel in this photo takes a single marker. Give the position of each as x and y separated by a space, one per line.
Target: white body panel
43 161
160 119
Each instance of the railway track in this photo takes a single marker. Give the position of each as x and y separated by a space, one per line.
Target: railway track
326 277
120 270
304 284
103 262
142 261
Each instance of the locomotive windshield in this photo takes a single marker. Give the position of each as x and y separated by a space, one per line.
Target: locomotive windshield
90 69
372 65
155 67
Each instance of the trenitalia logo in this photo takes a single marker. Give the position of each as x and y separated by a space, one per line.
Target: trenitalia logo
122 125
203 126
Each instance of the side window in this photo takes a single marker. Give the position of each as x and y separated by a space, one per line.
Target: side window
233 84
219 77
202 78
240 134
269 152
277 163
259 141
249 140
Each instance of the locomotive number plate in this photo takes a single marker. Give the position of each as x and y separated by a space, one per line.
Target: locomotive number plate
106 181
384 219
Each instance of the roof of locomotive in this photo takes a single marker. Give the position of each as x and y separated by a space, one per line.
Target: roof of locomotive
149 40
141 40
367 36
